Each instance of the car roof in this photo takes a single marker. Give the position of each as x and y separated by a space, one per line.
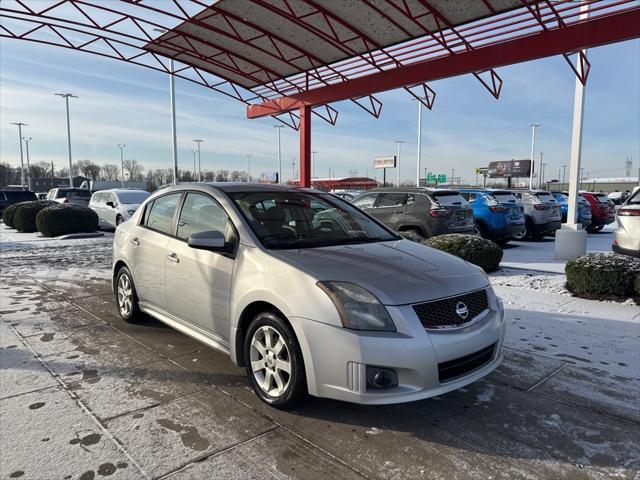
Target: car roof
411 190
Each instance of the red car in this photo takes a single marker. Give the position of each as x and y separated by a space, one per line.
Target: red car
602 210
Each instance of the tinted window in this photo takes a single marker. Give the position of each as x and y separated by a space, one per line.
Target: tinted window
504 197
74 194
449 198
391 199
601 197
545 197
133 197
160 216
365 201
201 213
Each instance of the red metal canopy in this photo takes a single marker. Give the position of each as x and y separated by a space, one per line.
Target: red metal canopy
291 58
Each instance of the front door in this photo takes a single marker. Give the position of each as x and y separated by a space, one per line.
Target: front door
198 282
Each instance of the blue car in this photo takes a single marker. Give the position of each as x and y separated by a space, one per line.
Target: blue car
497 213
584 208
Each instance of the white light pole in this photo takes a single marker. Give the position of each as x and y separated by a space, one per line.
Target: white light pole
399 143
66 97
26 142
20 124
419 155
278 127
313 164
198 141
249 157
121 147
533 146
194 163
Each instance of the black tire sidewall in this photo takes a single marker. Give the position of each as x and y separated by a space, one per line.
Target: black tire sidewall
297 388
135 312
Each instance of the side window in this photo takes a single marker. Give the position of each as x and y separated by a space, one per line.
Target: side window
471 197
365 201
110 197
201 213
391 200
411 198
160 215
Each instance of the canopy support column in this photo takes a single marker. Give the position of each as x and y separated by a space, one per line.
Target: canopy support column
305 146
571 240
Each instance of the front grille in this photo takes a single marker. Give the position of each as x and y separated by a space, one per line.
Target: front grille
461 366
442 313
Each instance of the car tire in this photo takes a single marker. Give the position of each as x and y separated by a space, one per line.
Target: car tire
414 231
270 349
479 230
126 297
595 228
525 233
119 220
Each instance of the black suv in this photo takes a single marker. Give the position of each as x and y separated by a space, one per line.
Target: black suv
9 197
424 211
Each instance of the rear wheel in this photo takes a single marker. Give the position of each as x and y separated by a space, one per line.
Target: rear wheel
594 228
273 361
119 220
479 230
126 297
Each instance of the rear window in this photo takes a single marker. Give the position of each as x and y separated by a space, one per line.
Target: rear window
601 197
504 197
449 198
545 196
74 194
18 195
133 197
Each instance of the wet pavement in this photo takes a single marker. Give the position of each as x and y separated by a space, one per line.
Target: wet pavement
85 396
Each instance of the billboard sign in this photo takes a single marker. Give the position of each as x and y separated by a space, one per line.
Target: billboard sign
510 168
384 162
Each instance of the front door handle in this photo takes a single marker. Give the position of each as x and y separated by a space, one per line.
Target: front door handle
173 258
398 211
135 242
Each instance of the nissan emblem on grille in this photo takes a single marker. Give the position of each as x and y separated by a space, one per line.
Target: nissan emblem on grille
462 310
452 312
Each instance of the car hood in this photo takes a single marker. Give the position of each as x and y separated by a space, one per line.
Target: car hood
398 272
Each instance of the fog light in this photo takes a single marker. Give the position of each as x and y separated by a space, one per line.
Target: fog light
381 378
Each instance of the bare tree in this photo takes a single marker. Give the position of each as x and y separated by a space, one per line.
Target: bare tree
234 176
8 174
40 169
134 169
89 169
110 172
222 176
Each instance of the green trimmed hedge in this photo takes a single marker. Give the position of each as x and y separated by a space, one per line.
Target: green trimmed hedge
9 213
55 221
24 218
603 274
636 286
472 248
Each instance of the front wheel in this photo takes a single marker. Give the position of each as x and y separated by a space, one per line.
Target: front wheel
273 361
119 220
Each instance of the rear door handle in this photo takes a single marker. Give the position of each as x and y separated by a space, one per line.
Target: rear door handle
173 258
135 242
398 211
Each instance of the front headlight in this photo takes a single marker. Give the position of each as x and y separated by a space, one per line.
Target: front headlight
359 309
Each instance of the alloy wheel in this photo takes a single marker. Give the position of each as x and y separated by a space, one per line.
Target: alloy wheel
270 361
125 295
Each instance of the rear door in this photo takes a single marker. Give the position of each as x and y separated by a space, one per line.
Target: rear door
149 249
110 211
390 208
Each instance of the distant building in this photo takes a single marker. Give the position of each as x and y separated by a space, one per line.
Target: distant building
600 184
345 183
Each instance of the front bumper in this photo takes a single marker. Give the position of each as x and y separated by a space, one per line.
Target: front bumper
336 358
625 251
546 227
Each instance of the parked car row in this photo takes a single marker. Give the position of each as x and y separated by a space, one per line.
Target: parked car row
627 237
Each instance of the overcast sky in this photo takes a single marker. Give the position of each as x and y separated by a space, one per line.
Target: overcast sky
122 103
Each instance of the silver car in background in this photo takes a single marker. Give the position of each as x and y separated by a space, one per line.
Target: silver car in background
543 215
69 196
307 292
114 206
627 237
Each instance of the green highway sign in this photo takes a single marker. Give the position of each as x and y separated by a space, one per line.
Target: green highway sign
436 177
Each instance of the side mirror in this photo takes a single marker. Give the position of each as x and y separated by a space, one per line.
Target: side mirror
209 240
111 204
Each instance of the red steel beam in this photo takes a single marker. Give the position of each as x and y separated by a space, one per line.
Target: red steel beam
305 146
595 32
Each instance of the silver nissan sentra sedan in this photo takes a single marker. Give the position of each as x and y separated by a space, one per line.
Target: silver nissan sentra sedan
308 293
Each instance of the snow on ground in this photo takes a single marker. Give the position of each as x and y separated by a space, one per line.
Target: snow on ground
11 239
538 254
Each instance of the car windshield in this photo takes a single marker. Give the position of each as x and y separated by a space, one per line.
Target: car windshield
561 198
635 199
449 198
602 198
133 197
288 220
